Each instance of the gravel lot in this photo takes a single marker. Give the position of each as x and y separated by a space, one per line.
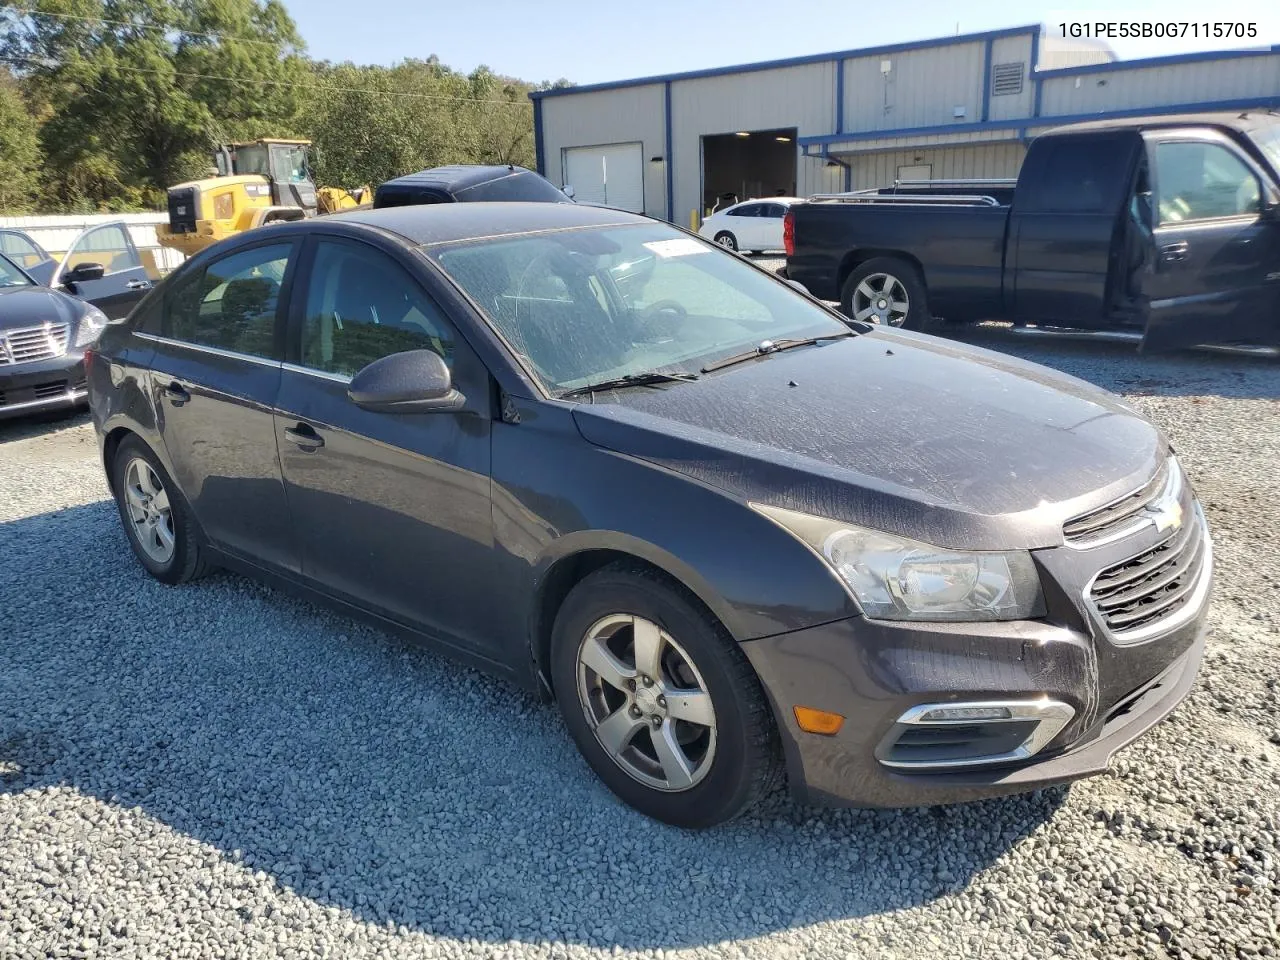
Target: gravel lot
221 771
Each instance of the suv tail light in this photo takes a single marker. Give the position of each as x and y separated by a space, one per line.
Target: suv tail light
789 232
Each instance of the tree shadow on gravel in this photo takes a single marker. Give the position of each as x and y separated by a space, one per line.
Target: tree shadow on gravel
387 781
1120 368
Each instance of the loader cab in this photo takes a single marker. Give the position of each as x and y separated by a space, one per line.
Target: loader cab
283 163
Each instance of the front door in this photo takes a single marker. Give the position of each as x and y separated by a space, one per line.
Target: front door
392 510
124 280
1216 271
214 379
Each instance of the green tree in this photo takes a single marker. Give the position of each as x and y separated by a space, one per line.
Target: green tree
19 149
140 90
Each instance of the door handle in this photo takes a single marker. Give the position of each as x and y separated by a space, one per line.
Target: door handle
1174 252
176 394
139 284
304 436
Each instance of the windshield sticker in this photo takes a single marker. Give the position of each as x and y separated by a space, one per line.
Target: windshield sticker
680 247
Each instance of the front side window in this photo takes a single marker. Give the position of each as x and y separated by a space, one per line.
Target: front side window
232 304
1196 180
108 245
586 305
361 307
11 276
291 163
253 159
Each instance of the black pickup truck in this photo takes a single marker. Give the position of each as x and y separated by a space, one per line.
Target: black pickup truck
1165 227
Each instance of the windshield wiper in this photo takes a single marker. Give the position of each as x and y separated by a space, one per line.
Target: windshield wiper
630 380
766 347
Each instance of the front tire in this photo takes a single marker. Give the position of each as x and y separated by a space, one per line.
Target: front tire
660 700
156 518
887 291
727 240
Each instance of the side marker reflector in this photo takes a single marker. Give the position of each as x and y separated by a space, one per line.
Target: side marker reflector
818 721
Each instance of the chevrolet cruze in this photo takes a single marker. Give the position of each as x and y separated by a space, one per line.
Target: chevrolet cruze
735 537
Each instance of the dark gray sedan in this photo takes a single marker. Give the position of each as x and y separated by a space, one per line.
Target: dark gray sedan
734 536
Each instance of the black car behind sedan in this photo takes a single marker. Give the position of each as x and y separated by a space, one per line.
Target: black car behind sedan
43 334
732 535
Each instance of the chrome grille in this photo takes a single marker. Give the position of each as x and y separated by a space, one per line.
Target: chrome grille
33 343
1128 514
1146 590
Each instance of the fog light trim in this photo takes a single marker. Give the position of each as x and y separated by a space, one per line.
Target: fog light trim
1047 717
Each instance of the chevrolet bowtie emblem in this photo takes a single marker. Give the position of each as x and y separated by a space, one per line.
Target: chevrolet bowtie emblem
1166 516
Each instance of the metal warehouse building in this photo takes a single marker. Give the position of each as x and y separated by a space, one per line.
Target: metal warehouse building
962 106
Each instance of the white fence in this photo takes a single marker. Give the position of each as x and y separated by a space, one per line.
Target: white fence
56 234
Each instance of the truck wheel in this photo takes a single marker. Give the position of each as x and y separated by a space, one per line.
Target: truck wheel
727 240
887 291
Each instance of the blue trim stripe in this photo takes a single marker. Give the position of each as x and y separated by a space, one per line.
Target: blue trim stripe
1202 57
670 161
986 80
1244 103
839 96
1035 73
790 61
539 155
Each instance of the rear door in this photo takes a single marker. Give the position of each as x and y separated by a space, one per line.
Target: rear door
392 510
1065 227
214 378
1216 271
770 235
124 279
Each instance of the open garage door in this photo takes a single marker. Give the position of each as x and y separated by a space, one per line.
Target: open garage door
747 165
612 175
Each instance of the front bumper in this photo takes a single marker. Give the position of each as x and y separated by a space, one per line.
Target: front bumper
43 385
872 672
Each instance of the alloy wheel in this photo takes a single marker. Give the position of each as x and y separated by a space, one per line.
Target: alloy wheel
881 298
646 702
149 510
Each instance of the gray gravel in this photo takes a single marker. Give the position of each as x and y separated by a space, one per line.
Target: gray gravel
221 771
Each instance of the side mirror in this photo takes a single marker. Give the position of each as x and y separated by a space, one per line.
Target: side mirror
568 191
416 381
82 272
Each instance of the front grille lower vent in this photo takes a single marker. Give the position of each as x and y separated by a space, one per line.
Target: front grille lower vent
1154 586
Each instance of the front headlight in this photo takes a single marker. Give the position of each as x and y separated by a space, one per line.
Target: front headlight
90 325
894 578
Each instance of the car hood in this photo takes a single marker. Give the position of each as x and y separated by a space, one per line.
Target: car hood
914 435
31 306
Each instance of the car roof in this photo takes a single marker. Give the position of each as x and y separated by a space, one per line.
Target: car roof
1242 120
445 222
456 177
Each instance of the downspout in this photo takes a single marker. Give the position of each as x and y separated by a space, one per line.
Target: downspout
986 81
539 160
1035 72
671 200
848 170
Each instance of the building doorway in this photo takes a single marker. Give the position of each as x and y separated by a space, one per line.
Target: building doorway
746 165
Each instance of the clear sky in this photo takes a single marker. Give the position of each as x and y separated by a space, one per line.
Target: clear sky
589 41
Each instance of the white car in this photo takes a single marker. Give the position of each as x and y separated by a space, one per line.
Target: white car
754 225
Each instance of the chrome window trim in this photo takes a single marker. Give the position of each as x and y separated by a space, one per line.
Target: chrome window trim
201 348
1050 717
312 372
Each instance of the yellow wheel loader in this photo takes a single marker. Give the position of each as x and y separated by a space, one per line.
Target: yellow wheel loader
256 183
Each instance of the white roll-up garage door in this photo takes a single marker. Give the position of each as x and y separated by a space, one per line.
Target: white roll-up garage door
612 175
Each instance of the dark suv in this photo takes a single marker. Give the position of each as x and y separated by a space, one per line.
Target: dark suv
729 532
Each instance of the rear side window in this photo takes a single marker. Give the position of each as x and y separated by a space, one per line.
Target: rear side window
21 249
232 304
746 210
1197 180
1084 175
363 306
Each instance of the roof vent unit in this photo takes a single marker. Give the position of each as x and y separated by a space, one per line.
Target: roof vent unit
1006 78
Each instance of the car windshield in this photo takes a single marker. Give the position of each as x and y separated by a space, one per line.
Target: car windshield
589 305
1268 140
11 275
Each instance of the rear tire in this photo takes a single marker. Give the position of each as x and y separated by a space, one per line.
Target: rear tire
694 746
727 240
888 291
156 518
